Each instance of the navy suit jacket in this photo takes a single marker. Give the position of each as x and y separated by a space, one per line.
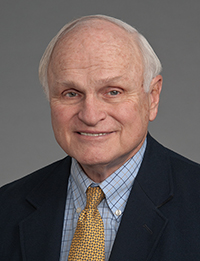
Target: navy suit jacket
161 220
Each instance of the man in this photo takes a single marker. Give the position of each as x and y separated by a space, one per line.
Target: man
103 84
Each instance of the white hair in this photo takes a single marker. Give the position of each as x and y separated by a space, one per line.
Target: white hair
151 63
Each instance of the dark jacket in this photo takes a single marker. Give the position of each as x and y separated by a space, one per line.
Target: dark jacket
161 220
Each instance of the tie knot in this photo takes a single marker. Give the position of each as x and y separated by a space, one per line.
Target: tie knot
94 197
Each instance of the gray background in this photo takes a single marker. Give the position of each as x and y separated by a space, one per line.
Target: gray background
26 27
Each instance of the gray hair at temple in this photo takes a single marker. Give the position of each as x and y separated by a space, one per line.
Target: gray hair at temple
151 63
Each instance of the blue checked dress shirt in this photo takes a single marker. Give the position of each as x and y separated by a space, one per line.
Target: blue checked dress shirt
116 189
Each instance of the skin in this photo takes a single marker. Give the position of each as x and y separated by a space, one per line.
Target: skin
100 111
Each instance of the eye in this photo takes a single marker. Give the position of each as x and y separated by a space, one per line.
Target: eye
113 93
71 94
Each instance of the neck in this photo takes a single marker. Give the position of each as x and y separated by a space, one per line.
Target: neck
98 173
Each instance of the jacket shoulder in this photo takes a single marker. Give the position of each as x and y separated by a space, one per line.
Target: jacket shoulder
25 184
181 163
184 173
175 158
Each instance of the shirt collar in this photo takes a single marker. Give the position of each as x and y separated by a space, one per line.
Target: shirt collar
117 186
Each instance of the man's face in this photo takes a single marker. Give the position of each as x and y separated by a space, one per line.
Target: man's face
99 110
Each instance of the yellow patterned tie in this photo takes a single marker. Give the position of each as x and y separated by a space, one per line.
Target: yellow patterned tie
88 240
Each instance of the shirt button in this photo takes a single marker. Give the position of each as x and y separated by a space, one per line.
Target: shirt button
118 212
78 210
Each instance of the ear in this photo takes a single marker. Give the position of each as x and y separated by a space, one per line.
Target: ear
154 96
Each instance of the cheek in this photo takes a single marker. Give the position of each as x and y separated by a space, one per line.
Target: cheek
59 117
143 108
135 116
55 117
145 113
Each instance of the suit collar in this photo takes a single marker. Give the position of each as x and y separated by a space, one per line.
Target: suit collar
143 223
41 232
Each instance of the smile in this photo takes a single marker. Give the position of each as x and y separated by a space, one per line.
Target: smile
93 134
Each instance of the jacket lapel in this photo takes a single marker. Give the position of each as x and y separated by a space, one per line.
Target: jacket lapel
41 232
143 223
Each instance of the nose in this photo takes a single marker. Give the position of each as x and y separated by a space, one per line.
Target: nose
92 111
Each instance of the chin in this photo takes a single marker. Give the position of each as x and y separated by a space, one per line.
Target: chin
92 161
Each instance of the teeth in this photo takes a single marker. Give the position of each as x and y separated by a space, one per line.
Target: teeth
92 134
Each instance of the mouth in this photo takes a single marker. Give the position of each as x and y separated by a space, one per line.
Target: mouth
93 134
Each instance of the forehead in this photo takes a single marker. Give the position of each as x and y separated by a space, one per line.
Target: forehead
94 44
